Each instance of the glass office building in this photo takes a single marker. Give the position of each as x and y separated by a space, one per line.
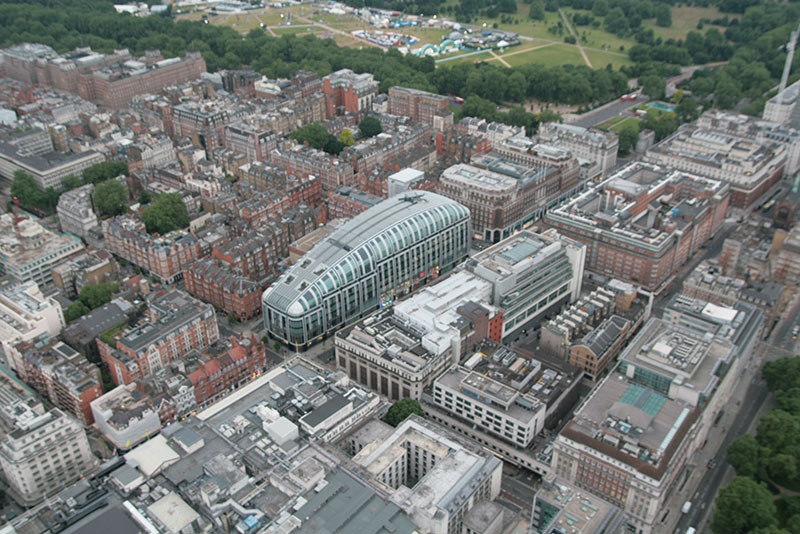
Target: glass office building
374 258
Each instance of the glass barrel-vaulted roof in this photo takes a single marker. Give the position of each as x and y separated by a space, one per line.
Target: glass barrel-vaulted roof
357 246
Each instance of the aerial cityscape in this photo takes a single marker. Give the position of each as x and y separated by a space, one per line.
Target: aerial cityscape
399 267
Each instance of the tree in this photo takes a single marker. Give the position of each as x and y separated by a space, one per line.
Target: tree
653 86
276 346
663 15
314 135
782 467
628 137
548 115
231 319
745 455
24 188
401 409
75 310
370 127
742 506
94 296
687 109
71 182
346 137
100 172
537 10
145 197
166 214
109 198
778 431
600 8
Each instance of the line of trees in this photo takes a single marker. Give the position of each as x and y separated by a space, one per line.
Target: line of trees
765 461
25 188
89 22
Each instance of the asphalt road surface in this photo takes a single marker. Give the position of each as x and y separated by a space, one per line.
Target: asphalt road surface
606 112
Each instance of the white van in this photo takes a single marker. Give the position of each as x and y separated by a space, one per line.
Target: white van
686 507
690 530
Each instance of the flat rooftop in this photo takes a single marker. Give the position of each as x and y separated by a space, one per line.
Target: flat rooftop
577 511
690 359
347 505
632 423
471 177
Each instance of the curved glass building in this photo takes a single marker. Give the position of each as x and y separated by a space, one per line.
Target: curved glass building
379 255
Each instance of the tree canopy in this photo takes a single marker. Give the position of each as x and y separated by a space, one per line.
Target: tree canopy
166 214
317 136
401 409
743 505
370 127
103 171
109 198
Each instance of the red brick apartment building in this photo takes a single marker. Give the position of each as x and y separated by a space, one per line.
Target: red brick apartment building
61 375
213 281
176 324
163 256
644 222
348 92
420 106
241 363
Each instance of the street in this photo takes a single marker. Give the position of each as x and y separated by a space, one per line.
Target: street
606 112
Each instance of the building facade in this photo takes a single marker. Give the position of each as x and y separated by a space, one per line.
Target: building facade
391 247
348 92
76 211
531 275
176 324
25 315
44 452
163 256
643 223
596 146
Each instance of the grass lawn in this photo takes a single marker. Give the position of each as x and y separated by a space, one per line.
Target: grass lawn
551 55
621 124
601 59
242 23
527 27
483 56
286 30
685 19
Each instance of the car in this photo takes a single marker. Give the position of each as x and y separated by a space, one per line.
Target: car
711 463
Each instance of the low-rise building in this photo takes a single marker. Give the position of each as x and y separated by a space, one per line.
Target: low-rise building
32 152
176 324
594 351
125 417
213 377
587 144
76 211
348 92
26 314
42 453
90 267
750 167
346 203
632 439
212 281
421 106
